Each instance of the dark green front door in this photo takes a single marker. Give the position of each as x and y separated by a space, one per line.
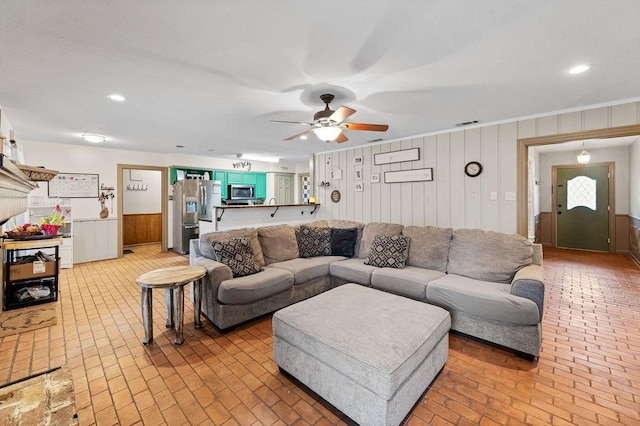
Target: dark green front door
583 207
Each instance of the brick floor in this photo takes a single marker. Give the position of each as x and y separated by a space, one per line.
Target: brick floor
588 372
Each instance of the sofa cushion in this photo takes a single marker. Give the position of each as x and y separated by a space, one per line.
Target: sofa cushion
483 299
236 254
409 282
206 248
313 241
352 270
248 289
372 229
343 241
388 252
278 243
343 224
429 246
488 255
304 270
322 223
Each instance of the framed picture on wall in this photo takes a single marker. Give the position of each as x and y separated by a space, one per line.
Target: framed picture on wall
416 175
358 160
358 187
358 175
375 178
135 175
411 154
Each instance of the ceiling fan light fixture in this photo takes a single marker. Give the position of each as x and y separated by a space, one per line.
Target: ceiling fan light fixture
327 133
259 157
584 157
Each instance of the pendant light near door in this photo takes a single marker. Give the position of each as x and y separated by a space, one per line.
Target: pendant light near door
584 156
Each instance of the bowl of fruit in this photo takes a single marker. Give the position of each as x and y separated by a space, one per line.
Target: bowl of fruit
24 231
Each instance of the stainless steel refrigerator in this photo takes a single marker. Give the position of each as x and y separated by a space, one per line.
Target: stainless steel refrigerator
210 197
186 207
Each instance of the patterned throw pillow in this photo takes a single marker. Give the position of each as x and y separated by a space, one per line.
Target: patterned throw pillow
314 241
388 252
236 253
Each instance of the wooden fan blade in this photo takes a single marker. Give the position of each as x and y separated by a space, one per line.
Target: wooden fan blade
299 135
293 122
341 138
362 126
341 114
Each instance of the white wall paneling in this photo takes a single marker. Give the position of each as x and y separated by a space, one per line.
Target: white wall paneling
452 198
490 178
94 239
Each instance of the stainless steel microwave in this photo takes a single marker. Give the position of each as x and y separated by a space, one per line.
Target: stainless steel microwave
241 192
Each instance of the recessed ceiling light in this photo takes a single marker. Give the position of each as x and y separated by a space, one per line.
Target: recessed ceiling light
116 97
93 137
578 69
304 137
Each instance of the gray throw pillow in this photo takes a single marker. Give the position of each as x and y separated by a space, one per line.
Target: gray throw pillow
313 241
236 253
388 251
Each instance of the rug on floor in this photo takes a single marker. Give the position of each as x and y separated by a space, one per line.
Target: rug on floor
27 319
43 399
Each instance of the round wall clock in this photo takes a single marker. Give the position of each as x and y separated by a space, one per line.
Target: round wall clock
335 196
473 169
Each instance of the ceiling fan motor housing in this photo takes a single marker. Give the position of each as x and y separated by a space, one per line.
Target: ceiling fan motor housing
326 112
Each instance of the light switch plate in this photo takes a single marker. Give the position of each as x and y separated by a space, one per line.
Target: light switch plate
510 196
493 196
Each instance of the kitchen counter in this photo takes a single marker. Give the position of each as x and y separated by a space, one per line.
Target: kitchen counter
234 217
262 206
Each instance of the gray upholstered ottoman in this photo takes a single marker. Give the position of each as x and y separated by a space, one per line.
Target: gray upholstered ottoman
369 353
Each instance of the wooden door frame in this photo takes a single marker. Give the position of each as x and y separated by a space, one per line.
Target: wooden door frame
612 200
522 198
164 191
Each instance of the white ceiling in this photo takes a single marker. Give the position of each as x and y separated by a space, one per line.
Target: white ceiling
210 75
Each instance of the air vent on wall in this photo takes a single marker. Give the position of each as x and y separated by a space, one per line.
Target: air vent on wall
467 123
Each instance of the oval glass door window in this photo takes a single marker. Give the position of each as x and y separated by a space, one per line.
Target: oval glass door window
581 191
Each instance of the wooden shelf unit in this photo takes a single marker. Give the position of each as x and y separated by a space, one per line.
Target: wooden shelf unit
20 271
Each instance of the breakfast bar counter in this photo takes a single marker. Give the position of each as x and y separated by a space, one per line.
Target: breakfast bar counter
235 216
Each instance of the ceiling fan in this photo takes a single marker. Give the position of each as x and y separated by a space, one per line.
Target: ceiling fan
328 124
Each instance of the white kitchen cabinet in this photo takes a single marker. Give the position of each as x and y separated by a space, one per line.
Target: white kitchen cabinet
95 239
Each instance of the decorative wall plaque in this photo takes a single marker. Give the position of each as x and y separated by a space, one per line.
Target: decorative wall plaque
335 196
416 175
396 156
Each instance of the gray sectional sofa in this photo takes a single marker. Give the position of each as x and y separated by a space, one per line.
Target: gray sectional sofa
491 283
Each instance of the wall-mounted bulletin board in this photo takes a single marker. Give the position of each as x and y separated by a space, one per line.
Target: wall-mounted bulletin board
74 185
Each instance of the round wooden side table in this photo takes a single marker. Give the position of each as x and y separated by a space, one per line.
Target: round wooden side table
172 280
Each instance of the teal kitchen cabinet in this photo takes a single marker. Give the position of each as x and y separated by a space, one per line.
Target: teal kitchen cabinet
240 178
221 175
261 185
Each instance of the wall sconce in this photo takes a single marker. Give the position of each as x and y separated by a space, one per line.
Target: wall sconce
324 184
